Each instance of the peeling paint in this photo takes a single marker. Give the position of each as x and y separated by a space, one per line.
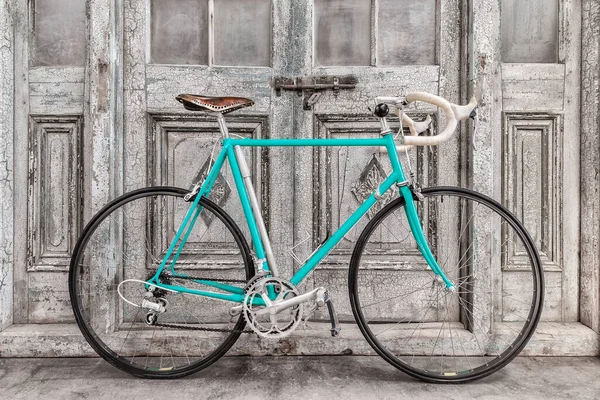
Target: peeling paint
150 89
6 163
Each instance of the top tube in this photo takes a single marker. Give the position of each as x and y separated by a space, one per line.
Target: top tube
382 141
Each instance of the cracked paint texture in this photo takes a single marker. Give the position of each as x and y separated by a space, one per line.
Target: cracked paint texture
6 163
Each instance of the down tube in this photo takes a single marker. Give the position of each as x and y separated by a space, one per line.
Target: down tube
342 231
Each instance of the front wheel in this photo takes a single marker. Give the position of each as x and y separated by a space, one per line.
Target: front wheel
408 315
121 248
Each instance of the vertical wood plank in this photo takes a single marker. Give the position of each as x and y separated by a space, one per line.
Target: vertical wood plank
287 54
570 43
136 20
6 163
450 160
103 113
21 189
485 166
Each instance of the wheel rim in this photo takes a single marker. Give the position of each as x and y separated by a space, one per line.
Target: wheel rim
419 326
127 244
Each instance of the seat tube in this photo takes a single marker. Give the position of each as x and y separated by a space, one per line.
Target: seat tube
247 179
260 224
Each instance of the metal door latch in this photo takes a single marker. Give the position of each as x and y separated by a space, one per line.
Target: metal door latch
311 87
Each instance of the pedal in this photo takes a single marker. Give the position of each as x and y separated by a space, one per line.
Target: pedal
335 324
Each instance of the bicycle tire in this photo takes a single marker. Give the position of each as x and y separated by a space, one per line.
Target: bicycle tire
149 203
393 336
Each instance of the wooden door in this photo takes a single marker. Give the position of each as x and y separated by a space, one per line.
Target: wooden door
95 116
526 70
392 48
213 48
64 111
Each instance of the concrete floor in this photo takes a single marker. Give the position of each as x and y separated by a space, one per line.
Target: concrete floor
340 377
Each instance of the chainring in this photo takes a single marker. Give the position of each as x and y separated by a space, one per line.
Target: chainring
272 326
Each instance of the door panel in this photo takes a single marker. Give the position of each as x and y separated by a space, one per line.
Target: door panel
63 93
530 115
168 145
58 32
407 32
178 32
243 33
401 47
540 165
530 31
342 32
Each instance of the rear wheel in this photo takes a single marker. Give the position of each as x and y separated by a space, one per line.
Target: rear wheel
411 319
120 248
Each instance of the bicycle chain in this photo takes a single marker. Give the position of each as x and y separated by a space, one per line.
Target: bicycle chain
191 328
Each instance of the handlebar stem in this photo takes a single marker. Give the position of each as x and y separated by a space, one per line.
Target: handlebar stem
385 128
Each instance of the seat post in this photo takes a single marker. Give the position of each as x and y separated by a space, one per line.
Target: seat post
222 125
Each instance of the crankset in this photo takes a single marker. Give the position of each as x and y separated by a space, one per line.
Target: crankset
279 317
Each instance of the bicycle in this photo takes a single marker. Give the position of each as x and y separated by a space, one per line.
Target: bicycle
141 304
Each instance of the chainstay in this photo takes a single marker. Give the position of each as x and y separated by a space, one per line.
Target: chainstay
197 278
193 328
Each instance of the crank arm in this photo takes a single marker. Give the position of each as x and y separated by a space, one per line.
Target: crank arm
335 323
285 304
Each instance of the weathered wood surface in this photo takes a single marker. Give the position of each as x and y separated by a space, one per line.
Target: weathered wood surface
48 297
166 82
21 159
121 87
533 87
54 205
570 51
540 178
590 163
6 163
56 90
533 182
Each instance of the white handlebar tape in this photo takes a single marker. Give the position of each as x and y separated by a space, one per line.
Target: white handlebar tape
416 128
450 120
454 113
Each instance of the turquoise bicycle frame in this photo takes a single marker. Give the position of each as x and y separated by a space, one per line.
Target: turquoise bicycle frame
236 294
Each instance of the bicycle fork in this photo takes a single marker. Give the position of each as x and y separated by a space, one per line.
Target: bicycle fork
417 230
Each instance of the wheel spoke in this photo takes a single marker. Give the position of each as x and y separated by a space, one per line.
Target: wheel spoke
128 243
440 334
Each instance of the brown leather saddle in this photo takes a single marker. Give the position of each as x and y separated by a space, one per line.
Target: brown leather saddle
223 105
